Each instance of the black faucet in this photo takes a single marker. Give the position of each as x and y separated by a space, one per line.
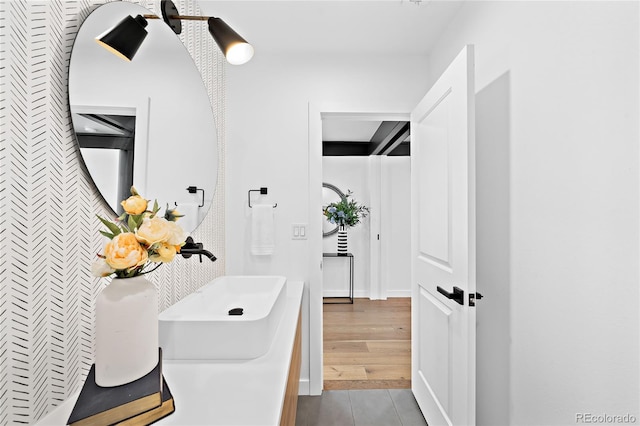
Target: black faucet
190 248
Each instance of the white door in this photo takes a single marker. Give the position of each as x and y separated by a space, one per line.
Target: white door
443 247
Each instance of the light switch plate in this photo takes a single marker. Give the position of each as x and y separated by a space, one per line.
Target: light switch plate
299 231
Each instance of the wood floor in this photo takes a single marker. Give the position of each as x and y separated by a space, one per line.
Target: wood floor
367 345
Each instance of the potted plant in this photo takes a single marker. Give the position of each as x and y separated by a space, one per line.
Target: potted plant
345 213
140 240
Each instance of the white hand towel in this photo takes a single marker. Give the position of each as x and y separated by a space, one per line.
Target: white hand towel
189 222
262 230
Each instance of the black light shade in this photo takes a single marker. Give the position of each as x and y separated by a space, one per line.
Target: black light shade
125 38
235 48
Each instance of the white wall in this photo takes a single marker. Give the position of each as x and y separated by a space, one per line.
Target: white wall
571 201
348 173
396 226
267 133
394 216
557 87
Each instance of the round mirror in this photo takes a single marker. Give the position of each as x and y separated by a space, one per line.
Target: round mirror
146 123
330 194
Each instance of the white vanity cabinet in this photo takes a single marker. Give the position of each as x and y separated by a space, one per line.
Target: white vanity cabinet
260 391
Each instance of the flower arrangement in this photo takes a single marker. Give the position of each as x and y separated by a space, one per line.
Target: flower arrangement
138 238
346 212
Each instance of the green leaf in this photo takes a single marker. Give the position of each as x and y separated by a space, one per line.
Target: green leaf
115 229
107 234
131 222
137 220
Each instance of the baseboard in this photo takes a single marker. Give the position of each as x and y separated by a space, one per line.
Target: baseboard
335 293
341 293
365 294
303 387
399 293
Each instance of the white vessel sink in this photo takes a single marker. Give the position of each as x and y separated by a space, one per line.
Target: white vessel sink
200 327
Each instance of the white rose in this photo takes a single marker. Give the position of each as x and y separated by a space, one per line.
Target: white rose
153 231
177 236
100 268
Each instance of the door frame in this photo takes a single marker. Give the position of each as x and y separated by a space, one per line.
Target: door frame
316 113
140 108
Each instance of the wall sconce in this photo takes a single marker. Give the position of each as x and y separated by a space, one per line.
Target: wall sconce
126 37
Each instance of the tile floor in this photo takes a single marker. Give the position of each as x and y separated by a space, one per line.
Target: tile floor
377 407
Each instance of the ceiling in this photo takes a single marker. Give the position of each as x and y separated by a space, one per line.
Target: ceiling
348 130
364 137
389 27
336 26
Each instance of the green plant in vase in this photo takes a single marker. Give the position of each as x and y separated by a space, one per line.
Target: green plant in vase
345 213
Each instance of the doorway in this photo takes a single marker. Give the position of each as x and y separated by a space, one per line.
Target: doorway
317 113
463 109
367 329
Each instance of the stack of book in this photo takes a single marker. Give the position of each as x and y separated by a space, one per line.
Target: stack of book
138 403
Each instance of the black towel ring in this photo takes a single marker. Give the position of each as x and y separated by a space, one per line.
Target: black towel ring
262 191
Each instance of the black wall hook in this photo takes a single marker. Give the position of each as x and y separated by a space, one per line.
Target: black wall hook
262 191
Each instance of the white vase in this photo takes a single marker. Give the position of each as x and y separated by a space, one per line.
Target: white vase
126 331
342 240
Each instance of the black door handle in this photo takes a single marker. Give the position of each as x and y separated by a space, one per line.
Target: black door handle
457 295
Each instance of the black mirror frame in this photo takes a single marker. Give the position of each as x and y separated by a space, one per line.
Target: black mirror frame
342 196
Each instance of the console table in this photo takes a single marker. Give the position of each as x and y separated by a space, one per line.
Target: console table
350 297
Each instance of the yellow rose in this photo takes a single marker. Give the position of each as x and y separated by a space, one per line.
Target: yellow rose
164 253
172 214
153 231
134 205
176 234
124 252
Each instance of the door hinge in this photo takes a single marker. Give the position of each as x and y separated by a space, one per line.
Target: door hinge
473 297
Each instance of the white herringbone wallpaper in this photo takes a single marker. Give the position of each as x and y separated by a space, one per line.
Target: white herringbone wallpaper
48 228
